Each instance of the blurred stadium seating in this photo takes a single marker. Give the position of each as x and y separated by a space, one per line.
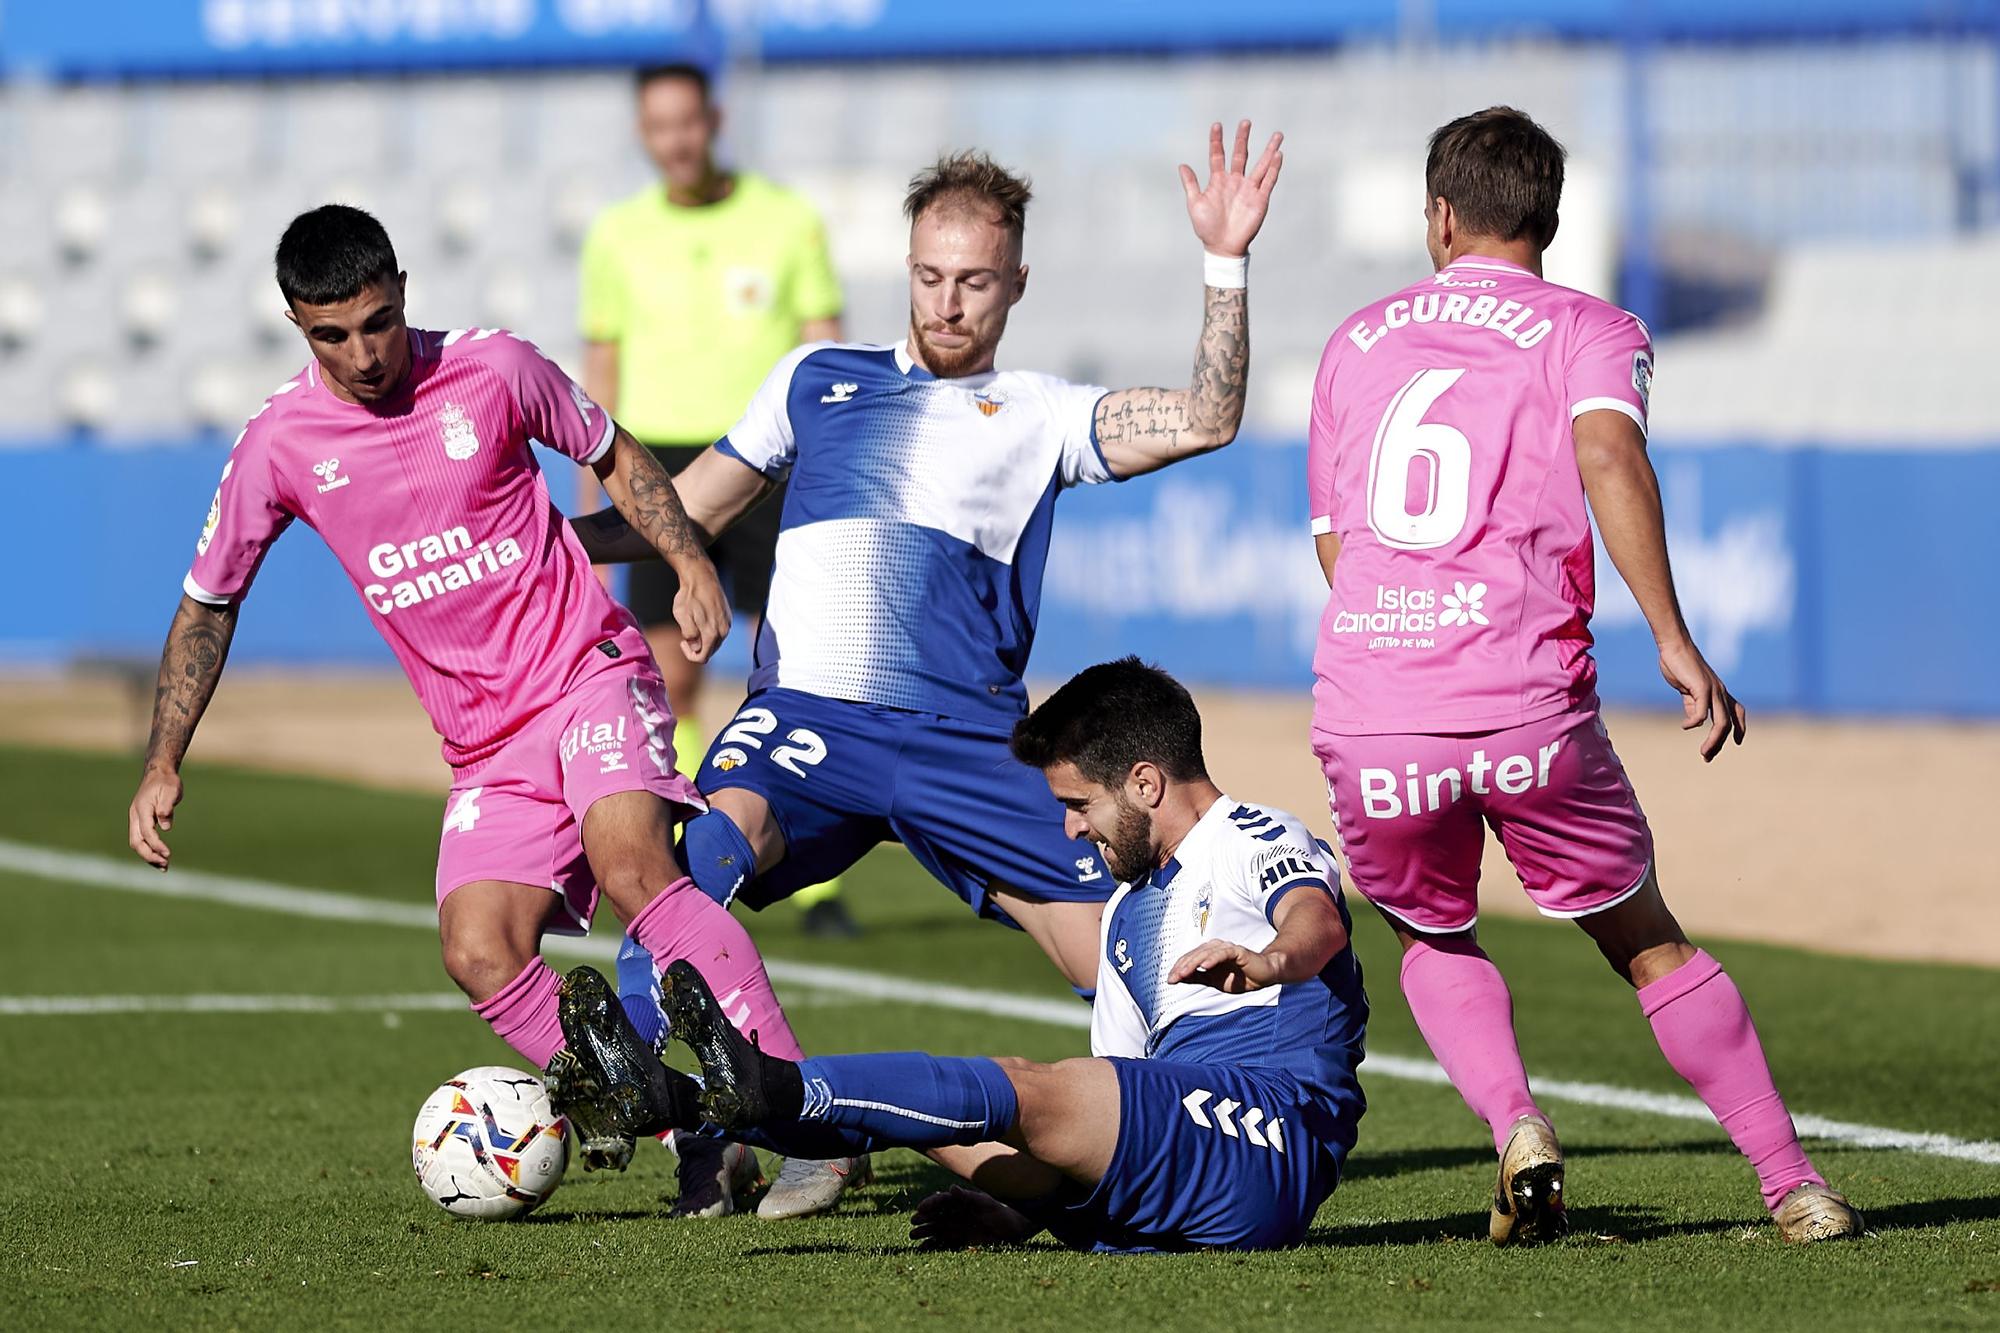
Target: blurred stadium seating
1803 205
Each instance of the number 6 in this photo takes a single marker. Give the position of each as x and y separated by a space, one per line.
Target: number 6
1402 438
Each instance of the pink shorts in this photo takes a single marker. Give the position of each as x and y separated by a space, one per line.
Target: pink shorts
1408 809
518 814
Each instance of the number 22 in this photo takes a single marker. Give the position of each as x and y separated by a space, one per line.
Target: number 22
753 724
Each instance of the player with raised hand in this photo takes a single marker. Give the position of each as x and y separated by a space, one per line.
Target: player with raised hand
923 483
1220 1098
407 451
1458 428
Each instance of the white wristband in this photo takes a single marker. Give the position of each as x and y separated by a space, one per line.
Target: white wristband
1225 271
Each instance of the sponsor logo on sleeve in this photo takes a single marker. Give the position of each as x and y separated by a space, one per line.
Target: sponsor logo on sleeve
214 512
840 393
1642 376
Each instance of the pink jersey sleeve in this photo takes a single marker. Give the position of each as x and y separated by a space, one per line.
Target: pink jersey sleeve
1320 444
554 408
1610 364
244 518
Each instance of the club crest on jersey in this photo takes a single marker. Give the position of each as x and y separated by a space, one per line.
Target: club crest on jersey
989 401
460 441
328 474
1642 377
730 759
1202 905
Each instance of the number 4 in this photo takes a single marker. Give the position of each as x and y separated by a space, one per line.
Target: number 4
1403 438
464 811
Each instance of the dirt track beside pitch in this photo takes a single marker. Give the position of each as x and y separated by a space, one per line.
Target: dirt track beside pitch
1852 837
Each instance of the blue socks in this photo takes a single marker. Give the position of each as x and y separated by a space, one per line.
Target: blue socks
638 983
906 1100
717 855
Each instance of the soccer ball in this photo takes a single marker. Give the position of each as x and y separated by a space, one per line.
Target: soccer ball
489 1145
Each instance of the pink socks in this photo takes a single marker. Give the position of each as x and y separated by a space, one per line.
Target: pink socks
1463 1008
523 1012
684 922
1704 1030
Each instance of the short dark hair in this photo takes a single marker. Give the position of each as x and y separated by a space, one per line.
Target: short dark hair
331 253
1501 173
971 177
647 75
1111 716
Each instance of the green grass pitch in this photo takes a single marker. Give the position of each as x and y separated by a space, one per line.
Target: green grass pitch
252 1170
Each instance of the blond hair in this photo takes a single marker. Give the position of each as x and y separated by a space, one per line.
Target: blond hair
970 177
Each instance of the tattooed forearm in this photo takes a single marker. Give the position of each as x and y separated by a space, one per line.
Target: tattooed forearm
644 494
1142 429
190 665
1221 364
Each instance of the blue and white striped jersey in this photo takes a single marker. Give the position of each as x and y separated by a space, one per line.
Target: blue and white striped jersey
910 551
1224 883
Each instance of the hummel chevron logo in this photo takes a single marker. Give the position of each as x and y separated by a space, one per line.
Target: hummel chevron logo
841 393
1271 1135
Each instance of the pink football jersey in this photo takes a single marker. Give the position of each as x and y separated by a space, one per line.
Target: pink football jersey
1441 456
434 505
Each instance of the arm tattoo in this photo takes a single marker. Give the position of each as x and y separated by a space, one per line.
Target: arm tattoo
1207 412
190 666
1221 363
649 502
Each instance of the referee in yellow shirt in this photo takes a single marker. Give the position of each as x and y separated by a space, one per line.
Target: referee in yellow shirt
692 290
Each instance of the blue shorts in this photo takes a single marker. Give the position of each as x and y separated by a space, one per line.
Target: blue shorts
841 777
1218 1156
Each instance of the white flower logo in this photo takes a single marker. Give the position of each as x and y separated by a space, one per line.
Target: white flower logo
1461 605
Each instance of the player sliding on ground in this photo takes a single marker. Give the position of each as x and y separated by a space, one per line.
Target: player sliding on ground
407 451
1457 428
1220 1100
909 571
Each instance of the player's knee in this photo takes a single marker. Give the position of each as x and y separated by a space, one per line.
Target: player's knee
751 815
1040 1091
481 964
719 858
629 884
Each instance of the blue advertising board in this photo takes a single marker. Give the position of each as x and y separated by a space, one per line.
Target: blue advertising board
121 38
1816 580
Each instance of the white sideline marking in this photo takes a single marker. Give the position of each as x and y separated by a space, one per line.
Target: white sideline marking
99 872
69 1005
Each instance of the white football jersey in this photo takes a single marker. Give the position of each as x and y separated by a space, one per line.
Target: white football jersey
1224 882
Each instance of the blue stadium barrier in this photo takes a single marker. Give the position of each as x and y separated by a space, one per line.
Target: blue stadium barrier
256 37
1825 581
